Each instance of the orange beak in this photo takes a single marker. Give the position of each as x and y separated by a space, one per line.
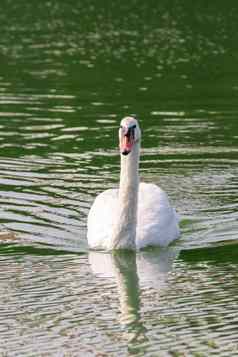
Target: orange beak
127 142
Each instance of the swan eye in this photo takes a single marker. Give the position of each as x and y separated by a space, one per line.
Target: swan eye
131 127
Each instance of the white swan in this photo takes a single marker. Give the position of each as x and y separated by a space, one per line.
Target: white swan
138 214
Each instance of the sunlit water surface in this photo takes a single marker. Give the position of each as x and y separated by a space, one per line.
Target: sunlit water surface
64 86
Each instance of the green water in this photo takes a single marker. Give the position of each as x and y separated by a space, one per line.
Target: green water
68 74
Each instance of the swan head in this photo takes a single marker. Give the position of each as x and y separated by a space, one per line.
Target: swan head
129 134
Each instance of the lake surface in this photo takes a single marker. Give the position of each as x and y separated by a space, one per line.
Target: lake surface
68 74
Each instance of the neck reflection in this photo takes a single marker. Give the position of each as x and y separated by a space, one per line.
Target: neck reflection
131 271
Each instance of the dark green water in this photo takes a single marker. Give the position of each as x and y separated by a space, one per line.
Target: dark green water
68 74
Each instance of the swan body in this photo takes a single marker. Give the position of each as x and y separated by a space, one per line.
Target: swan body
157 223
137 214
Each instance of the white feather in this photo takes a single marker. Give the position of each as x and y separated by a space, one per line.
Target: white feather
135 215
157 223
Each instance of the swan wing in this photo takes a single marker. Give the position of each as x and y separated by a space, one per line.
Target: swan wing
101 218
157 222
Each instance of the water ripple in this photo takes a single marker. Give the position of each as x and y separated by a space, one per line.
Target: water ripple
64 86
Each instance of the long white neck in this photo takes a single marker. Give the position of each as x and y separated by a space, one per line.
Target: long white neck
124 234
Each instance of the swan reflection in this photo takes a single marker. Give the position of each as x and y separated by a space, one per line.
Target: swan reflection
131 271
